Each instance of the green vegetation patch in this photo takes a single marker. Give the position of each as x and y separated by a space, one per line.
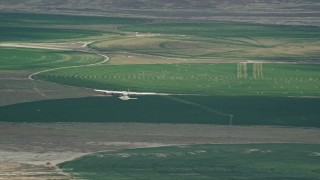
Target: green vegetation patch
299 112
55 19
242 161
37 27
39 34
206 79
23 59
228 29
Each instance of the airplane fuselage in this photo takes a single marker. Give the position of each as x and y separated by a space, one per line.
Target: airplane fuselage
125 97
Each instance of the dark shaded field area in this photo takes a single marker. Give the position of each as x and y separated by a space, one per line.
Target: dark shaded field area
54 19
298 112
32 27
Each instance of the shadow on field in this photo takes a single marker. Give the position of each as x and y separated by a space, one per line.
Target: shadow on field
277 111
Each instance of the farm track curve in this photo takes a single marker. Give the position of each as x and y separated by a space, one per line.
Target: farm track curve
85 49
106 59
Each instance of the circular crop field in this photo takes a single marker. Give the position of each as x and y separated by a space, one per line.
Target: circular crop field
205 79
253 161
15 59
179 47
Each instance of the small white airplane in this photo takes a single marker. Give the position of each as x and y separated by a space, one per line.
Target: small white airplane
124 95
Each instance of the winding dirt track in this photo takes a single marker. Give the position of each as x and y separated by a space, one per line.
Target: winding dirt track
51 46
106 59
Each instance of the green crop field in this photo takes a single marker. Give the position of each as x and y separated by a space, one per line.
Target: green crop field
298 112
34 34
252 161
43 27
9 19
24 59
228 29
205 79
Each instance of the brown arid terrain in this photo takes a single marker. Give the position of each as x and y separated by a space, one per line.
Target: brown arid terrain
18 87
31 150
304 12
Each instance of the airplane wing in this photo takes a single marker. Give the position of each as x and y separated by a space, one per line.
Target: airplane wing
125 93
141 93
110 92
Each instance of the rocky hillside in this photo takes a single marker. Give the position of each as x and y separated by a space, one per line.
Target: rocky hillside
218 5
271 11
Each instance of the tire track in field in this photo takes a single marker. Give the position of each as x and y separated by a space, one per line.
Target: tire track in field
106 59
206 108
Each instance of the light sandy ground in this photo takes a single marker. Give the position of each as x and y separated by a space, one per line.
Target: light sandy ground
77 46
18 171
27 147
